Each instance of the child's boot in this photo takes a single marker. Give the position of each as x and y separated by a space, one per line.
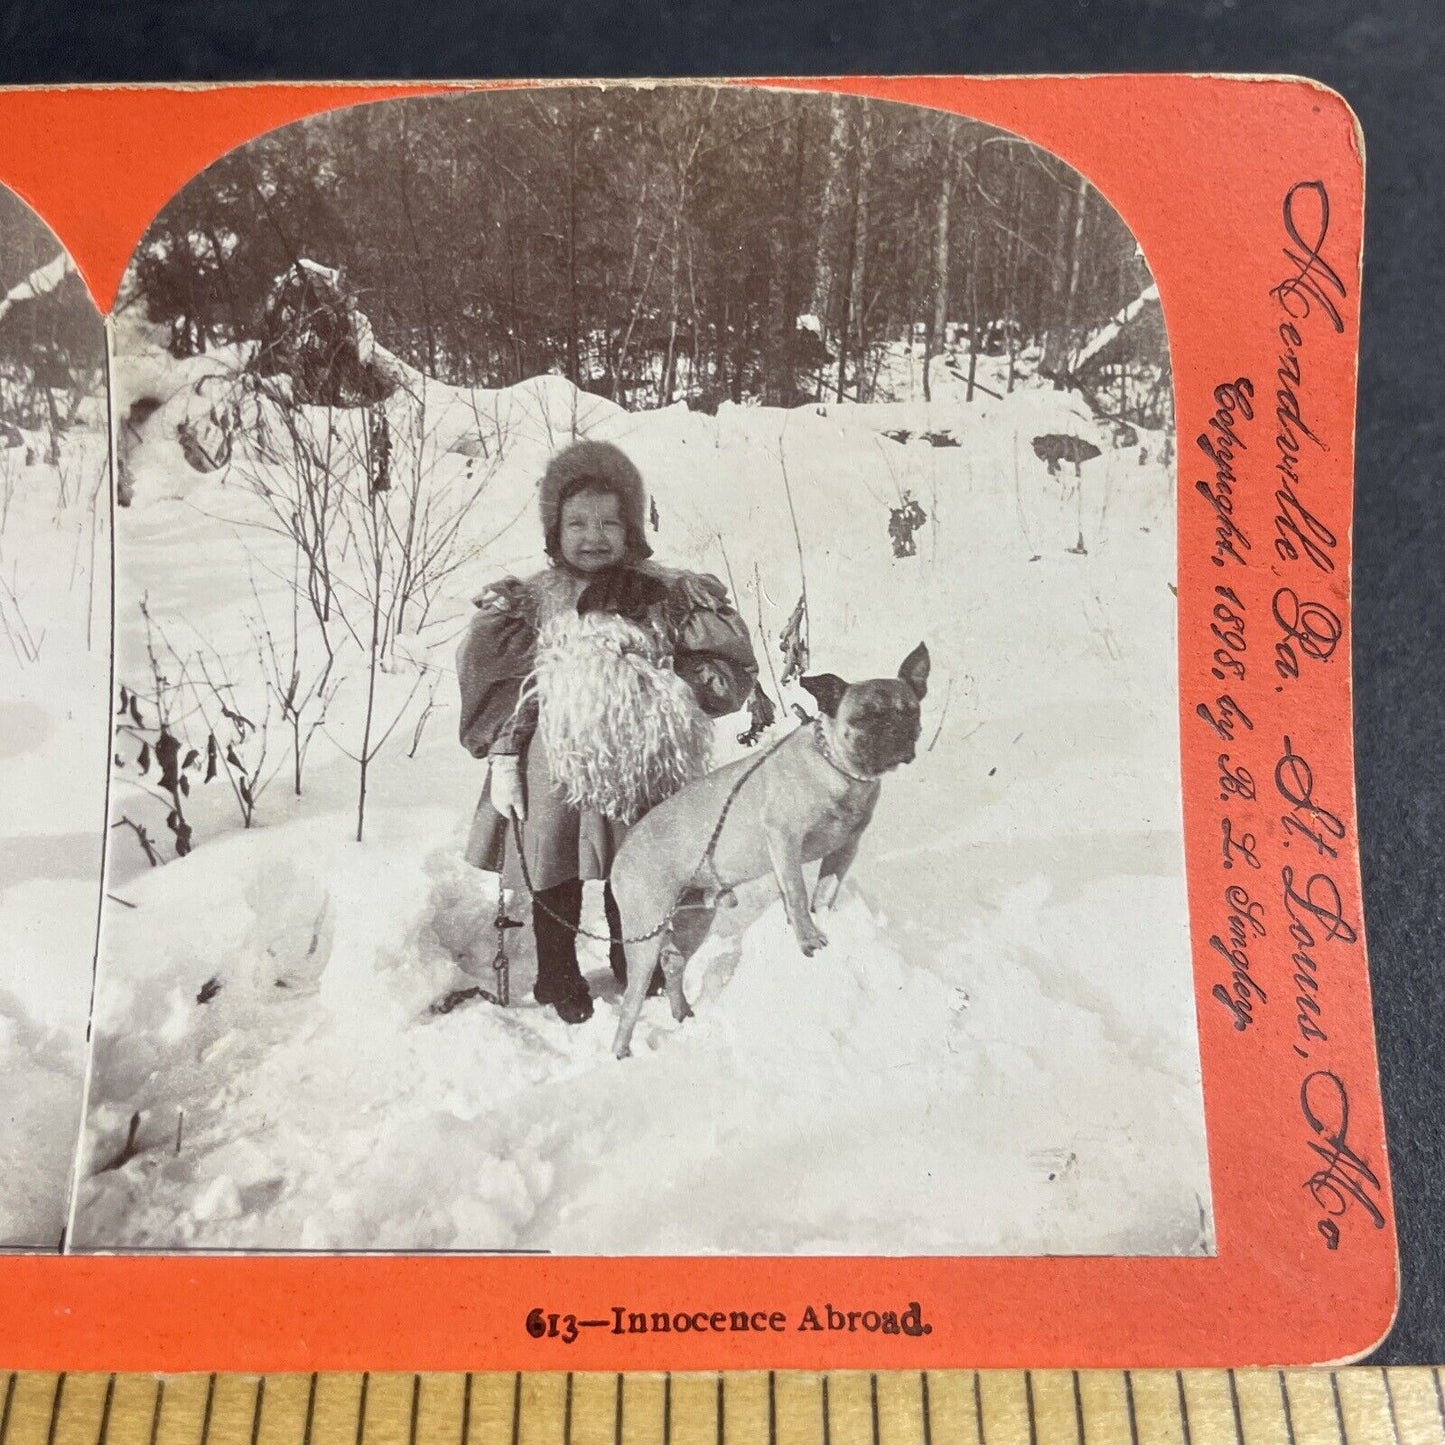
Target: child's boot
559 980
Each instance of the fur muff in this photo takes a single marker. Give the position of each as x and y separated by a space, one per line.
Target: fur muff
622 730
594 464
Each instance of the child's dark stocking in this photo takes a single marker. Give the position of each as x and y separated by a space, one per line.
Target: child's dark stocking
559 980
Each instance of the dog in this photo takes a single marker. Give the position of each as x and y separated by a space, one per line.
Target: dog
810 798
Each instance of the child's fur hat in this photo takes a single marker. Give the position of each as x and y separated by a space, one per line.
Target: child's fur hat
592 465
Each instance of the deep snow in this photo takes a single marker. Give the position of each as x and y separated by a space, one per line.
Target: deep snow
993 1055
54 674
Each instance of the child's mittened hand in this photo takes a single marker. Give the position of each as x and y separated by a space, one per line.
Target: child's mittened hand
710 675
704 675
505 787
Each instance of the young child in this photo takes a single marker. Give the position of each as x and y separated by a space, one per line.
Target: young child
589 688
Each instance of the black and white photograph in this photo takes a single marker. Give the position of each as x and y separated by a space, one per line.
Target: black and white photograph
54 675
645 713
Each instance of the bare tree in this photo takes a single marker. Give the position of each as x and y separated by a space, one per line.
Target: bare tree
938 317
597 233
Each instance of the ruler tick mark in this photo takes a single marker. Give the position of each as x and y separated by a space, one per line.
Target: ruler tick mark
772 1407
257 1408
1390 1401
927 1420
210 1404
1439 1396
55 1400
310 1412
466 1407
872 1403
1234 1406
1288 1412
1183 1408
1339 1408
827 1422
415 1409
567 1412
617 1418
104 1431
156 1410
361 1411
10 1396
516 1407
1129 1402
978 1410
1079 1410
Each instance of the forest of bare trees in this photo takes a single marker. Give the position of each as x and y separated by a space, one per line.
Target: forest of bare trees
51 350
662 243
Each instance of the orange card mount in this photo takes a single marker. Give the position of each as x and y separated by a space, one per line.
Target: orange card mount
1055 373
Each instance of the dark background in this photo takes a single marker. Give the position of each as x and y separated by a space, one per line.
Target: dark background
1386 56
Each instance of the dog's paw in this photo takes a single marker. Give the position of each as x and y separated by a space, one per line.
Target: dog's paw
811 938
825 895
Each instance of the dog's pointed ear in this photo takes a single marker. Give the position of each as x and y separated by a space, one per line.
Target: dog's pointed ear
915 671
827 691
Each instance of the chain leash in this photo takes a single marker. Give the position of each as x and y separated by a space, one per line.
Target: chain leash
725 892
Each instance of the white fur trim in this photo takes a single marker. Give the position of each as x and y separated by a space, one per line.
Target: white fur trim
622 730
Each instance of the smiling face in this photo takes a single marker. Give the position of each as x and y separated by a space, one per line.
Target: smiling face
591 530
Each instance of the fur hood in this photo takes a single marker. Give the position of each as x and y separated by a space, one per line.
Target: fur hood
591 461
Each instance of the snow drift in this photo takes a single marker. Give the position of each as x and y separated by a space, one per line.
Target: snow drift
54 673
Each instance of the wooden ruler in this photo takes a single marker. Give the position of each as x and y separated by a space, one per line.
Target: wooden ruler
1352 1406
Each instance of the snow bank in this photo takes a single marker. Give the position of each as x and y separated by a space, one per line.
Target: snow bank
54 678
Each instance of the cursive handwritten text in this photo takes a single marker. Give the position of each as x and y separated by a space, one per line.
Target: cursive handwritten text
1345 1178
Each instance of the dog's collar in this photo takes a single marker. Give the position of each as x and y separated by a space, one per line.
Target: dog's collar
820 741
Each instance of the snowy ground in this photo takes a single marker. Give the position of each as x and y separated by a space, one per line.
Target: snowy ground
54 665
992 1056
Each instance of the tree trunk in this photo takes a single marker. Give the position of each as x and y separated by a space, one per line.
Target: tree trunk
843 325
1081 206
573 371
669 364
740 350
52 454
938 321
1059 340
854 270
860 250
1011 272
974 322
823 278
793 251
404 170
695 359
514 304
781 315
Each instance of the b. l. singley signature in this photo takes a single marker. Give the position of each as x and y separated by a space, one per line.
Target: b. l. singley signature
1345 1178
